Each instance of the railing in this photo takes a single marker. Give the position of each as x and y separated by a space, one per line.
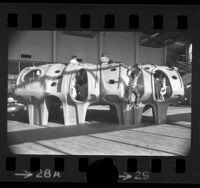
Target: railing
16 66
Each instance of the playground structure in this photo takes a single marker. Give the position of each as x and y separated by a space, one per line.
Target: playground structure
79 86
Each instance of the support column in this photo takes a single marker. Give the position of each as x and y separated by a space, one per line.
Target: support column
160 112
99 54
187 47
133 116
165 55
19 67
136 46
100 44
38 111
190 52
54 41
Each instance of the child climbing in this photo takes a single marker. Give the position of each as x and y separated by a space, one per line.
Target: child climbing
133 93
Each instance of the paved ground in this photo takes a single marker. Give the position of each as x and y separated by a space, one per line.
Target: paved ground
101 135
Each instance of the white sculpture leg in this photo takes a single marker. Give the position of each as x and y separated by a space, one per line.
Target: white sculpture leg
160 112
82 111
70 114
38 112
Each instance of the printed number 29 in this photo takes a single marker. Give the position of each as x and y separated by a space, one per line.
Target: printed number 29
141 175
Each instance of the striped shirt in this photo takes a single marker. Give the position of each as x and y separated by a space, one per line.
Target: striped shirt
133 82
82 91
133 78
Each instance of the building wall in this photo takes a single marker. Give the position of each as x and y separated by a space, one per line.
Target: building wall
147 55
83 47
119 46
36 43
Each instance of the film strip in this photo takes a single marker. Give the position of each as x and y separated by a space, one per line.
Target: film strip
91 167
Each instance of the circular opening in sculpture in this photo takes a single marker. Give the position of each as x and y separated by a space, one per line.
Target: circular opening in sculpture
32 75
174 77
57 71
162 86
53 84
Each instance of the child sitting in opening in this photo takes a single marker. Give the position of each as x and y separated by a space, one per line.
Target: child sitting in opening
81 85
133 74
163 88
160 87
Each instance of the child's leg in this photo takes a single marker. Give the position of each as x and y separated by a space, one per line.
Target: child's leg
126 95
136 92
131 97
162 96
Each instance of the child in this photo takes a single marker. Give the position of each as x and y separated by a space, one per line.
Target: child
74 60
104 59
133 74
81 85
163 88
157 83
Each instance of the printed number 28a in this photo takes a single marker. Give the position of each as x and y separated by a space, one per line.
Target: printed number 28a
47 173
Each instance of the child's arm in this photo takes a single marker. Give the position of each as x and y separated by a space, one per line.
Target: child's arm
140 72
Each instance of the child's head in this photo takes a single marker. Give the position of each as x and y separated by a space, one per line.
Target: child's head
133 74
134 71
38 72
74 57
136 65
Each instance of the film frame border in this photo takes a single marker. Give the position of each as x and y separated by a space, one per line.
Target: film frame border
25 14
